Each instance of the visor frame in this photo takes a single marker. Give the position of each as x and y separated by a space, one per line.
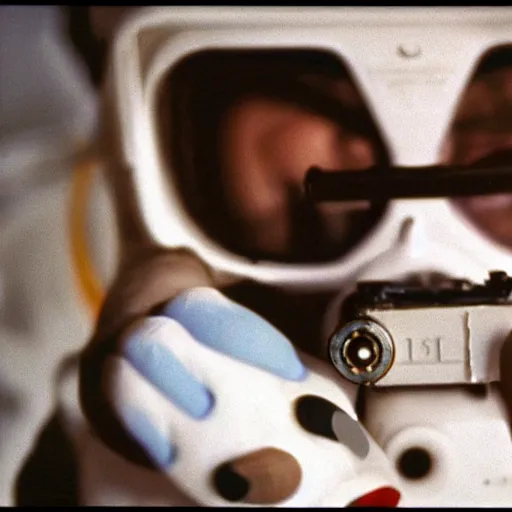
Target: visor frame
153 40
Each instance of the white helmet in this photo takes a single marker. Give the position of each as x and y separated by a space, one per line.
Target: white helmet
411 65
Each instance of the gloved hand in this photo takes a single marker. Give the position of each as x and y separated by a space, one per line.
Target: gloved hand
213 395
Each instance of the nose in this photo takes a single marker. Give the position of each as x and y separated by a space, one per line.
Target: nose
382 497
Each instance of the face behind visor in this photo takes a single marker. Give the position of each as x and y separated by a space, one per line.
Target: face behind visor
203 104
242 147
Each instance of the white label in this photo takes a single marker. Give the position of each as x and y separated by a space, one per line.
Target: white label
445 344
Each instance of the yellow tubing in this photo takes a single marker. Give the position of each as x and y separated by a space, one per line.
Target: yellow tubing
88 282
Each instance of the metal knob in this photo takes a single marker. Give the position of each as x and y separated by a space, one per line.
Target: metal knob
362 351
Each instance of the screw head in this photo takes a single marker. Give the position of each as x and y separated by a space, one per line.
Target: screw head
409 50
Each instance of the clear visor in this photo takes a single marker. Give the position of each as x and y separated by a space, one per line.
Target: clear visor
242 146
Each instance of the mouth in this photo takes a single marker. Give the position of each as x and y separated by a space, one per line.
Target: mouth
382 497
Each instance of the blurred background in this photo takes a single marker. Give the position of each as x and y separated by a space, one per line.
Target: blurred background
48 118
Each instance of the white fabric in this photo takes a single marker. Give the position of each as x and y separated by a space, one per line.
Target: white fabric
253 410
